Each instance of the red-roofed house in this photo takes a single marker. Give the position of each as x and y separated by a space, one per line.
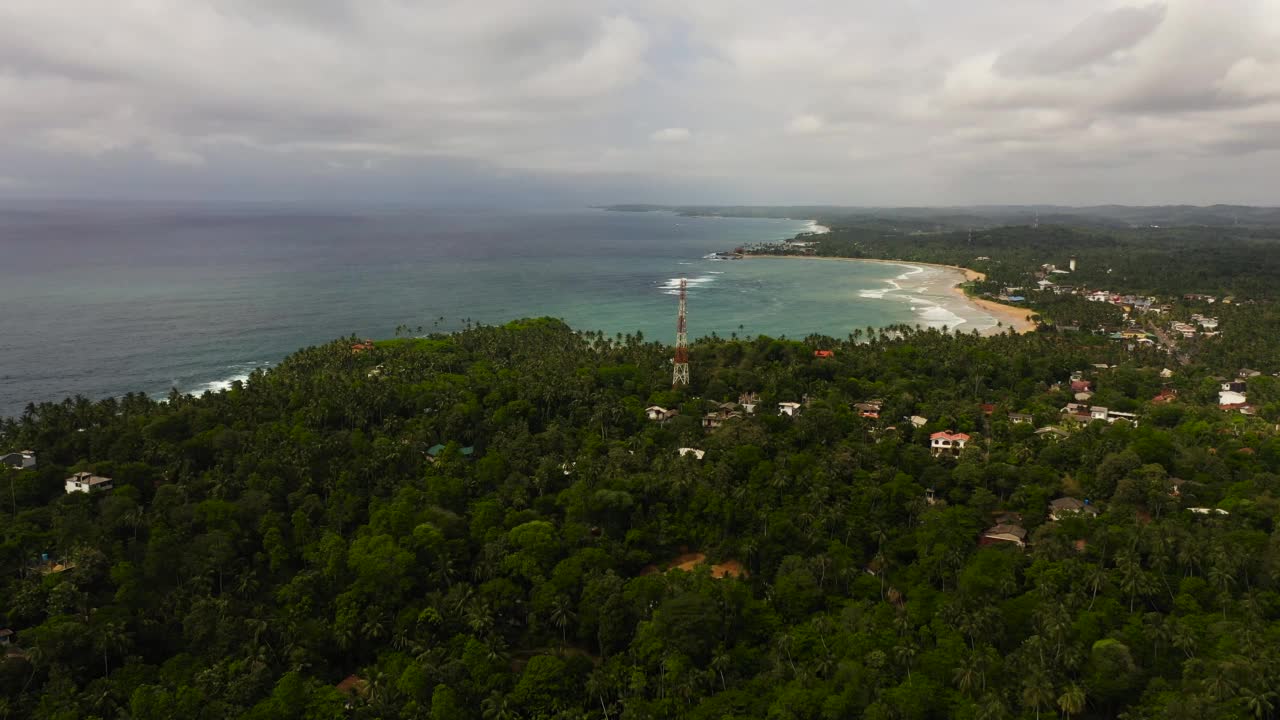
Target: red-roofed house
947 443
823 353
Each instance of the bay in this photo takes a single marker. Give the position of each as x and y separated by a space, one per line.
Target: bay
100 300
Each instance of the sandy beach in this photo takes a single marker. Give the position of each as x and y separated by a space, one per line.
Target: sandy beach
1009 317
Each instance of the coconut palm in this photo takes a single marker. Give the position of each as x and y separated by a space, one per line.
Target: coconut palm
562 614
1037 691
1071 701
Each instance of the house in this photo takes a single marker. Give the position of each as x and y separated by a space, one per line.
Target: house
1015 534
1204 321
1097 412
1229 398
1166 373
87 482
1237 386
947 443
660 414
930 496
1208 511
1098 296
823 353
917 421
988 408
1166 396
1019 418
1114 415
870 408
696 453
1246 373
1051 432
713 420
434 451
1070 507
1079 386
362 346
790 409
21 460
1077 412
748 401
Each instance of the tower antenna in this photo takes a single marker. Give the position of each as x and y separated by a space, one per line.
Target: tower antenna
680 374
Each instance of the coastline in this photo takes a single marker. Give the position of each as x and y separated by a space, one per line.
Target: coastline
1011 317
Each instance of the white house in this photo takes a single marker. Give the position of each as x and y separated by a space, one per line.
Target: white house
918 421
790 409
660 414
20 460
947 443
696 453
87 482
1231 397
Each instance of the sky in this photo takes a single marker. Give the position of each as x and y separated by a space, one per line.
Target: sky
853 102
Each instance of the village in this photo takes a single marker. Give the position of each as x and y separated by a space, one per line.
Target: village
948 446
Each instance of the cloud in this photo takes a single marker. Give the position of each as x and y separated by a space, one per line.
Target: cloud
805 124
671 135
1099 38
1064 102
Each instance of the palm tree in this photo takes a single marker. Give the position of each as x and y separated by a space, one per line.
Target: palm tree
719 661
905 654
562 615
111 638
1095 579
965 677
495 707
1259 702
1037 691
992 708
1071 701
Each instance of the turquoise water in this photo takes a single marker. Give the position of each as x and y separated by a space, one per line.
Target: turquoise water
101 301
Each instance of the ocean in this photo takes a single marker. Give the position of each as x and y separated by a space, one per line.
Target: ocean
100 300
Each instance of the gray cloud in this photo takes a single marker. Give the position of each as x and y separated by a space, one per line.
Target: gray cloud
852 101
1098 38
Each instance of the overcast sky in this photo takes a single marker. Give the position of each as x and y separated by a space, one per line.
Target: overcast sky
862 102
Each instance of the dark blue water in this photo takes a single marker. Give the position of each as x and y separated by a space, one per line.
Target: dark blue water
101 301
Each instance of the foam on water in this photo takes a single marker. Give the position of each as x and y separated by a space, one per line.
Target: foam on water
243 371
936 316
672 286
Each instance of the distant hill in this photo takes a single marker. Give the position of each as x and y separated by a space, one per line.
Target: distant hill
908 219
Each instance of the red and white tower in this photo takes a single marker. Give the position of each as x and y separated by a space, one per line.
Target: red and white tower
680 375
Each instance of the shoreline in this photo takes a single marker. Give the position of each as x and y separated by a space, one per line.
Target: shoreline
1011 317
